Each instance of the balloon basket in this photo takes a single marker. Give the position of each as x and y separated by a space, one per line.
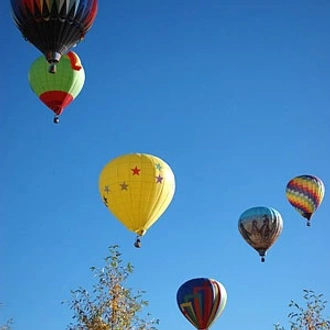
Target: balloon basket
137 243
52 68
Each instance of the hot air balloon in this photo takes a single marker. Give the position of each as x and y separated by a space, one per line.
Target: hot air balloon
57 91
54 26
201 301
305 193
260 227
137 189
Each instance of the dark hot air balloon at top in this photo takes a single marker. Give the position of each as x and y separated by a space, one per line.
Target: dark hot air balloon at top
54 26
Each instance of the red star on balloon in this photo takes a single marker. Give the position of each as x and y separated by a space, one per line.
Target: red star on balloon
136 171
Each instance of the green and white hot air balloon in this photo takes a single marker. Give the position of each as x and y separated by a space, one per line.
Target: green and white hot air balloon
58 90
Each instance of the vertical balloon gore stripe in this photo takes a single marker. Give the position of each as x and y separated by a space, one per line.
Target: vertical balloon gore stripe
56 100
198 304
92 15
29 4
208 297
75 61
217 299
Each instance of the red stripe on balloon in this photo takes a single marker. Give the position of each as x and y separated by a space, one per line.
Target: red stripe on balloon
198 312
56 100
75 63
92 15
208 302
29 4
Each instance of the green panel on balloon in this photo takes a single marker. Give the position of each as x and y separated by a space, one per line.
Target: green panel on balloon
69 78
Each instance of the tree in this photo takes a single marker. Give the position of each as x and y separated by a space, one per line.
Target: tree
110 305
7 325
309 317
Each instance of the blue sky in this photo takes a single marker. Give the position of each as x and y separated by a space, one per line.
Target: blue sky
234 97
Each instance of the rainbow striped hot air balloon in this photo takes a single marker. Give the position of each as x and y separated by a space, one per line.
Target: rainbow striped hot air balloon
305 193
59 90
201 301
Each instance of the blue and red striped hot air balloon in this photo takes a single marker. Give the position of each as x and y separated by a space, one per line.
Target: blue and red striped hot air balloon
305 193
201 301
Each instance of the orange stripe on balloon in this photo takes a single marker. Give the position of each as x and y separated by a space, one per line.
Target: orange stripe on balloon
74 60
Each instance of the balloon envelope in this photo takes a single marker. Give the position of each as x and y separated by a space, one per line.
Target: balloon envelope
260 227
202 301
57 91
305 193
54 26
137 189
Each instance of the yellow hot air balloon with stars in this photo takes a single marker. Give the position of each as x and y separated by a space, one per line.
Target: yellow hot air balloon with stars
137 189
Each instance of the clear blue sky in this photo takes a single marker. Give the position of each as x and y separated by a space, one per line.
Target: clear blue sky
235 97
